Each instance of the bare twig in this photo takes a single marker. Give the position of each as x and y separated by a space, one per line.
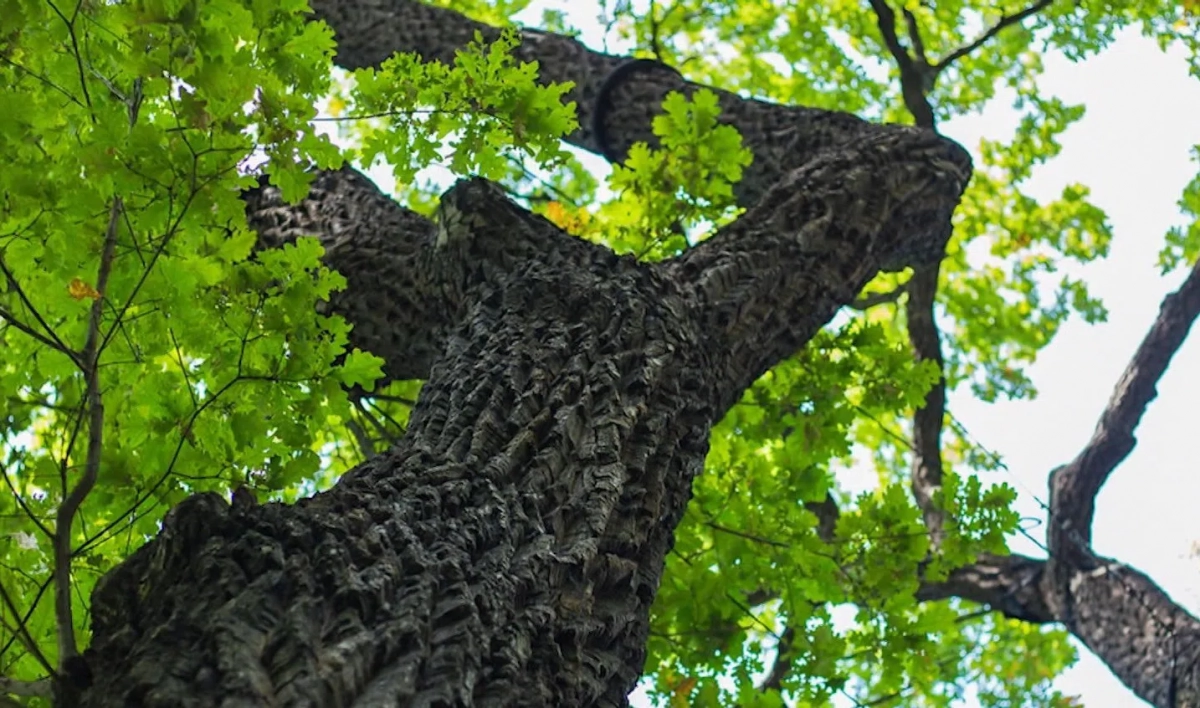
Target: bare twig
38 689
868 301
1005 21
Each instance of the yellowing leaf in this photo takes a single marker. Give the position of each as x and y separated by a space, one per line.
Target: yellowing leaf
679 696
573 222
80 290
337 106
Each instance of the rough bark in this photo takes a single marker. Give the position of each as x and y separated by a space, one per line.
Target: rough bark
507 551
1149 641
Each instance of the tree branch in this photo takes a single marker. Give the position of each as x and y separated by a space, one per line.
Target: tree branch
916 76
615 108
51 338
1005 21
926 473
914 36
1073 487
817 238
886 22
1008 584
866 302
1145 638
382 249
72 499
923 334
782 665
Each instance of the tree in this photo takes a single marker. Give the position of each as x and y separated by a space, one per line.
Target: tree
508 547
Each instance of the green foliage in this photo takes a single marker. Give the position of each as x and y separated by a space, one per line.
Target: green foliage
663 194
1183 242
123 242
470 114
130 133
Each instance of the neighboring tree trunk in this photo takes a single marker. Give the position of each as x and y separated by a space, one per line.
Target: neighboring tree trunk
508 550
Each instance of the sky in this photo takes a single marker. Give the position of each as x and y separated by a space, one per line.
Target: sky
1132 148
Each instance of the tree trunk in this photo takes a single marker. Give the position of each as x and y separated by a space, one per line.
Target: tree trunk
508 550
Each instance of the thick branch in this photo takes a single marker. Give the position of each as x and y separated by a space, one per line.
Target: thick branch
764 284
1148 640
928 420
1073 487
398 310
782 138
1144 637
1008 584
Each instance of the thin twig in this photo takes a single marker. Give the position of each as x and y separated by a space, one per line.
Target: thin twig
22 503
21 631
1005 21
914 36
868 301
53 341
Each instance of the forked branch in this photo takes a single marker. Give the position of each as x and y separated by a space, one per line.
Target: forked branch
1073 487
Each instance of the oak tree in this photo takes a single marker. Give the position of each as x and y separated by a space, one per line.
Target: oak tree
206 308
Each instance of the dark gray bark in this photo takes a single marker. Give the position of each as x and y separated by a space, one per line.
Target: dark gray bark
506 552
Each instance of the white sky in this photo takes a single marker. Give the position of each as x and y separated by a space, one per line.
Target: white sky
1133 149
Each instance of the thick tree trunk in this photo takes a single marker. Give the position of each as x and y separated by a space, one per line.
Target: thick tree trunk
505 553
508 550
